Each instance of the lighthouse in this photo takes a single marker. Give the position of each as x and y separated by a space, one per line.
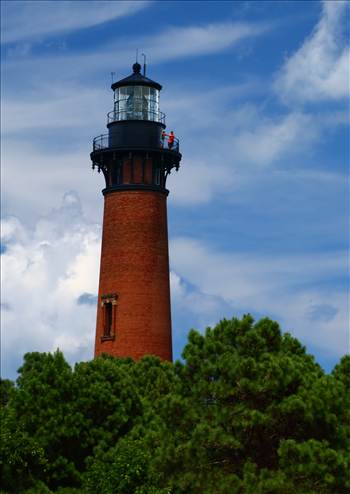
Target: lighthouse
135 156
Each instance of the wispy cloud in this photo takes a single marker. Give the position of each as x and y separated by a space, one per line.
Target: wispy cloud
268 140
187 41
55 108
24 20
198 181
222 152
319 69
166 45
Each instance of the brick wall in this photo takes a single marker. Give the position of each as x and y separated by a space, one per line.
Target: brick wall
135 266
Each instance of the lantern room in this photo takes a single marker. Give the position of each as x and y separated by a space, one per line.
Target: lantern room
136 98
135 121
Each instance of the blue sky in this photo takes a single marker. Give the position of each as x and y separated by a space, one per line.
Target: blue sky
257 92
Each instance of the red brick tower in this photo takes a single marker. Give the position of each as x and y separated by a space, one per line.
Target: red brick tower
133 311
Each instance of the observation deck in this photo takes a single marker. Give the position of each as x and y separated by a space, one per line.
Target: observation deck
102 142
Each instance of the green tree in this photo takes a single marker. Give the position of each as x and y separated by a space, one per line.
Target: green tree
42 404
6 391
246 390
248 411
125 468
68 413
21 458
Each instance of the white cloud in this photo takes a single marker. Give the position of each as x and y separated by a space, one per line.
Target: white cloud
187 41
44 272
231 149
225 143
268 140
12 229
319 70
55 107
286 287
48 142
52 102
207 308
169 44
198 181
32 19
50 276
35 178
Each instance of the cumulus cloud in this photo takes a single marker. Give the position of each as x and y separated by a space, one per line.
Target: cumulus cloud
289 288
50 277
319 69
48 18
53 168
45 272
202 307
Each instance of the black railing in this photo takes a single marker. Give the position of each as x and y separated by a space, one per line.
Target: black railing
102 142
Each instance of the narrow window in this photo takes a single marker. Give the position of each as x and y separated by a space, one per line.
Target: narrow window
108 318
108 308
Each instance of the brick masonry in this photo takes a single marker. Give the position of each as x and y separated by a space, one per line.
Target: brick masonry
135 267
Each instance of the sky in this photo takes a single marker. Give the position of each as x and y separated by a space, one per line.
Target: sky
258 94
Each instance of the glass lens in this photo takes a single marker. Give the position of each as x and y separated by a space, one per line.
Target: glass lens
136 103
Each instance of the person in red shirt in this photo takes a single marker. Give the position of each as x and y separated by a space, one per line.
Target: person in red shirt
171 140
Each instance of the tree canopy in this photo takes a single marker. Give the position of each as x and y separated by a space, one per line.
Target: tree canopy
246 411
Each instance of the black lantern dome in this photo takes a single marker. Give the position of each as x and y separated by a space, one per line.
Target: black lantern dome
136 79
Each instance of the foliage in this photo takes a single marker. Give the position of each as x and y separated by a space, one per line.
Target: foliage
247 411
21 458
6 390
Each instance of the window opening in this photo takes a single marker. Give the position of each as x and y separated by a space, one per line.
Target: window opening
108 318
108 306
